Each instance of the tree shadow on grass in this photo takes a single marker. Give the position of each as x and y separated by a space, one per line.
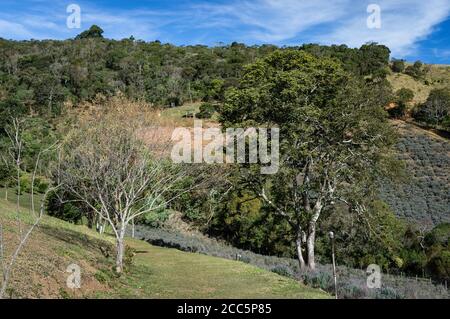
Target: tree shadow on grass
76 238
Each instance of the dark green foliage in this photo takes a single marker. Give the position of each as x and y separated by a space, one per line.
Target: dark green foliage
398 66
369 60
402 97
11 107
428 253
40 76
243 221
206 111
36 135
374 60
416 70
436 109
359 245
94 32
68 211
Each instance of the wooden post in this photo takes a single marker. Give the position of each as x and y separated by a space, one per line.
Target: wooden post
334 264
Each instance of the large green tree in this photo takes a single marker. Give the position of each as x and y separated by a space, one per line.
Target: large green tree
334 137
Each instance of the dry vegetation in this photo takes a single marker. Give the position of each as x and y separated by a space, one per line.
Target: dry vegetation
40 270
438 76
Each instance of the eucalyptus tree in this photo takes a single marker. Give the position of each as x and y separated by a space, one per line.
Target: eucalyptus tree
334 138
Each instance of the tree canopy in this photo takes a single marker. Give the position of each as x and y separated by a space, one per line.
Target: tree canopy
334 136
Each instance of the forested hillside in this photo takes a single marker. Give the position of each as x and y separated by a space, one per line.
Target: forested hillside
43 76
86 123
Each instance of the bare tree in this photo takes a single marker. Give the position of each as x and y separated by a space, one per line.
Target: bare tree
16 152
108 168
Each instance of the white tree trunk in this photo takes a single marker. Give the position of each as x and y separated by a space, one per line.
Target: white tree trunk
120 249
310 244
301 260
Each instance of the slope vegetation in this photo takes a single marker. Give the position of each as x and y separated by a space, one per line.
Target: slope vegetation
424 195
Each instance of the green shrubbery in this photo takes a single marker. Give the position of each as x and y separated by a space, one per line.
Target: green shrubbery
206 111
398 66
416 70
436 109
402 97
69 211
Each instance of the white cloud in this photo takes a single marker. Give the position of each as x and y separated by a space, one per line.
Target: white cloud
404 23
11 29
274 20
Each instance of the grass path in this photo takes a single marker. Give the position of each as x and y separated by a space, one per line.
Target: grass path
157 272
169 273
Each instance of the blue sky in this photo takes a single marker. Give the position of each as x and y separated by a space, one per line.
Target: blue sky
413 29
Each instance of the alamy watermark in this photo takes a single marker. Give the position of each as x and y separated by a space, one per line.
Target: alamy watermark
229 147
74 279
74 19
374 276
374 19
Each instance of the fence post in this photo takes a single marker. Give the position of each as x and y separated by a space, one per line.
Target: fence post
334 264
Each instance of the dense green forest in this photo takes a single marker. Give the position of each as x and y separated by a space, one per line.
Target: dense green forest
41 81
39 76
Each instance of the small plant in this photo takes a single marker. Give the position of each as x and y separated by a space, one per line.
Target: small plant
129 257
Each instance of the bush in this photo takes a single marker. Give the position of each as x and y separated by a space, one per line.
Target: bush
436 109
66 211
283 270
398 66
402 97
416 70
206 111
129 257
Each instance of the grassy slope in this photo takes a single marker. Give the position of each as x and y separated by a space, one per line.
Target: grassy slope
437 77
157 272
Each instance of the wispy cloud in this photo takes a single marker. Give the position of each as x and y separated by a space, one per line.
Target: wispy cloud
10 29
272 20
404 22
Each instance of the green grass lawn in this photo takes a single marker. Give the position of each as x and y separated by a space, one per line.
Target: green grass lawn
156 272
169 273
24 198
